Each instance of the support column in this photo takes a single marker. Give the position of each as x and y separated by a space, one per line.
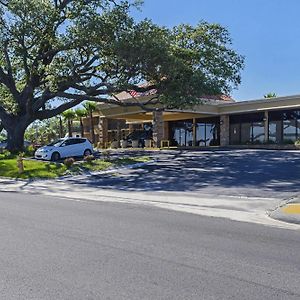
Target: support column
118 133
103 131
224 130
194 132
266 126
166 135
130 128
158 128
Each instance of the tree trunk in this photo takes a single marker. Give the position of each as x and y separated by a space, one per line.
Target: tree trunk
81 127
70 127
15 137
60 127
92 128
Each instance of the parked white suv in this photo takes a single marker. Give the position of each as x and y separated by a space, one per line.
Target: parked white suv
67 147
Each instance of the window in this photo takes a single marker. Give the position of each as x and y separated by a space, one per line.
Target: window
207 132
182 133
284 126
247 129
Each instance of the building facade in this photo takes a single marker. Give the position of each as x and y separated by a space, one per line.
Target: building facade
272 122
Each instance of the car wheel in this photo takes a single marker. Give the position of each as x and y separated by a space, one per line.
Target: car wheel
55 156
87 152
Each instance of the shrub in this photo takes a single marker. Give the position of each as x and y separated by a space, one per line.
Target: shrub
297 143
106 154
288 142
29 151
5 154
89 158
68 162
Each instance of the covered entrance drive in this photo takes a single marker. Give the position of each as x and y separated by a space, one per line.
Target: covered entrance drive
168 128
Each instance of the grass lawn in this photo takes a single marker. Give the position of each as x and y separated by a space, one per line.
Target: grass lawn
100 165
32 169
41 169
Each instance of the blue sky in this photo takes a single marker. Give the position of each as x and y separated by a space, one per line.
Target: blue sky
266 32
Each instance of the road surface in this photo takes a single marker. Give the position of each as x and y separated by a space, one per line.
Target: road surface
55 248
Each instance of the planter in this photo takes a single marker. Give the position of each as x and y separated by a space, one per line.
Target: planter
124 144
114 145
148 143
135 143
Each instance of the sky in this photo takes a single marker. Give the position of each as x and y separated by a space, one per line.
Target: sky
266 32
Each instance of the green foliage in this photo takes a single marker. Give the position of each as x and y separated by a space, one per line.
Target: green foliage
80 112
90 106
69 114
270 95
5 154
55 55
297 142
32 169
44 132
29 151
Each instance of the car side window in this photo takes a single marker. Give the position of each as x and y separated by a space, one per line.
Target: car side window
67 143
78 141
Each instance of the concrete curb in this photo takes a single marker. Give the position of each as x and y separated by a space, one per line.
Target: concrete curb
284 213
118 169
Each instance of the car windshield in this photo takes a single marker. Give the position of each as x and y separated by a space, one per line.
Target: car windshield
56 143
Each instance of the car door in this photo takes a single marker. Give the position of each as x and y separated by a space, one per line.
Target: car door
67 148
79 147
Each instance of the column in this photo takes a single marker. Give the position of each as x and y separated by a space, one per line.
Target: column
266 126
224 130
158 128
194 132
103 131
130 127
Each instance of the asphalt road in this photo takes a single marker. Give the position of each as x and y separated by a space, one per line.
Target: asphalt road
54 248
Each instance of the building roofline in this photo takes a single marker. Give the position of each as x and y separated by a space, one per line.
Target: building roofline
262 100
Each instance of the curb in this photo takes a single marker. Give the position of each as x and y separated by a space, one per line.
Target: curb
285 212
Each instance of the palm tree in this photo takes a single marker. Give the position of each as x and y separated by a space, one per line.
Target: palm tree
69 115
81 113
270 95
90 107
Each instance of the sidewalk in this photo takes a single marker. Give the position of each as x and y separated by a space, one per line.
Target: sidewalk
288 211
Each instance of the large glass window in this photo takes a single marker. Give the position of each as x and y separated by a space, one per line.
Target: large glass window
258 132
284 126
247 129
182 133
207 132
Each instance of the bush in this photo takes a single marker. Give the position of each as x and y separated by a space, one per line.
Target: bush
5 154
288 142
68 162
297 143
106 154
89 158
29 151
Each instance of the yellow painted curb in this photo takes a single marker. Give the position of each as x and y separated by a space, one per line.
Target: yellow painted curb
293 209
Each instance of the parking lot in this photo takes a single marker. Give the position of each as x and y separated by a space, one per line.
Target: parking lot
253 173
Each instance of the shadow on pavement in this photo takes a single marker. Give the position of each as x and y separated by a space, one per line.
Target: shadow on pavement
250 172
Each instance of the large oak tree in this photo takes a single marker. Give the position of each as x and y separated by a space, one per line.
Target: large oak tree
55 54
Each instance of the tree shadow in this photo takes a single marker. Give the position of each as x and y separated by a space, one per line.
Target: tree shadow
236 172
